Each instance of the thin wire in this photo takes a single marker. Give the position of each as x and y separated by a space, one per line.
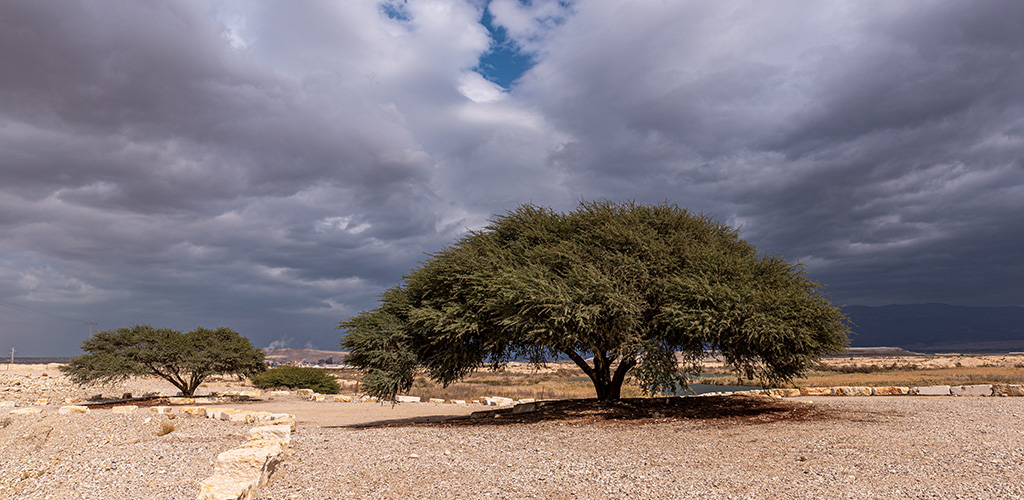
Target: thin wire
12 305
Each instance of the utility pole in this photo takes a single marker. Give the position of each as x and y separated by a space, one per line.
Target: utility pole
90 327
12 360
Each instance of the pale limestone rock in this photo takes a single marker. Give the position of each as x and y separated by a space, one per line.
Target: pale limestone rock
124 409
338 398
26 411
42 402
252 464
278 433
181 401
435 400
161 410
933 390
784 393
193 410
319 397
304 392
890 391
497 401
289 421
6 404
1008 390
407 399
815 391
971 390
73 409
526 400
258 416
459 401
225 488
233 415
851 391
279 393
71 401
368 399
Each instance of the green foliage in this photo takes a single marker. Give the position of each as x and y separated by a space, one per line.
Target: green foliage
297 377
183 359
642 289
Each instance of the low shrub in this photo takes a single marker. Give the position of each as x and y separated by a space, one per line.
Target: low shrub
297 377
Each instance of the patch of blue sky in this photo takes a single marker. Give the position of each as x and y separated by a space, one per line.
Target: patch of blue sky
395 10
505 62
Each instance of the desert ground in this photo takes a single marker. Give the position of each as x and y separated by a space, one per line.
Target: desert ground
731 447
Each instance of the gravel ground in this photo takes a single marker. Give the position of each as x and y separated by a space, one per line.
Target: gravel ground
898 447
102 455
878 447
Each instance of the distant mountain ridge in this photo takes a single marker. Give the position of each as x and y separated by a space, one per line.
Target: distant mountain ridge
938 327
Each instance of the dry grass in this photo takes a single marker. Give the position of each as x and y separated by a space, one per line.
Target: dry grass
916 377
563 380
516 381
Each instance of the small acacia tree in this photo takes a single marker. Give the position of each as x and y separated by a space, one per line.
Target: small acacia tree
643 290
183 359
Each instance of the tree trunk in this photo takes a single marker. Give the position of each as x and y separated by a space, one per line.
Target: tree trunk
607 385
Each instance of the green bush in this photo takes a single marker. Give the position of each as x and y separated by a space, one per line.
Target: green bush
297 377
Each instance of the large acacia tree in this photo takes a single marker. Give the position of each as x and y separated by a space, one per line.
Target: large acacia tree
183 359
620 289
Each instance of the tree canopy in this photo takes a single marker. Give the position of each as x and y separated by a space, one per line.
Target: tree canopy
644 290
183 359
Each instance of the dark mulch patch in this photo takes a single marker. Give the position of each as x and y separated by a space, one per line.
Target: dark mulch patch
142 402
717 410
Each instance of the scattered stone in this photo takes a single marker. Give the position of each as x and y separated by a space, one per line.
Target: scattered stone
166 427
851 391
971 390
73 409
890 391
815 391
26 411
526 400
784 393
459 401
181 401
233 415
304 392
42 402
1007 390
933 390
161 410
407 399
497 401
319 397
6 404
436 400
279 393
338 398
193 410
277 433
124 409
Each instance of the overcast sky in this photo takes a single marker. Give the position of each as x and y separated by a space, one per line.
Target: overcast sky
273 166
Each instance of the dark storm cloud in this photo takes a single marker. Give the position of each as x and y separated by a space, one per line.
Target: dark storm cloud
273 167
